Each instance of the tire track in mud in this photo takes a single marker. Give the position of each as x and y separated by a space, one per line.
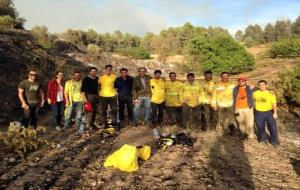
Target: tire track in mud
47 172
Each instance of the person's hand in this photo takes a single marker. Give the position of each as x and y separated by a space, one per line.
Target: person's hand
49 101
25 106
275 115
215 108
42 103
67 103
136 101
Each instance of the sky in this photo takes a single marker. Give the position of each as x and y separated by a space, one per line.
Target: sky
142 16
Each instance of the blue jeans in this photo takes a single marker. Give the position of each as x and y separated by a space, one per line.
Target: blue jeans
77 107
261 118
146 102
57 113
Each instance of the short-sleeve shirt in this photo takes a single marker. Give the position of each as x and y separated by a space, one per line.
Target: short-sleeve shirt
31 91
241 100
107 87
264 100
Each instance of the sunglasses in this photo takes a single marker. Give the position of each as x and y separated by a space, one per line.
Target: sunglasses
30 74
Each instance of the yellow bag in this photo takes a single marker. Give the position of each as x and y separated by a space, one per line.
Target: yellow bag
144 152
124 159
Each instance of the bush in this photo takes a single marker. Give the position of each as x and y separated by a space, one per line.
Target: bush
22 140
288 86
93 49
285 48
218 54
137 53
7 21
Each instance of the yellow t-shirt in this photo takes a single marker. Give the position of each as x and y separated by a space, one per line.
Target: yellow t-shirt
264 100
107 87
73 88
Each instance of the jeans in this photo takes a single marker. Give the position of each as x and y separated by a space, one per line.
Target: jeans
195 114
261 118
209 117
146 102
157 113
125 100
57 113
77 107
30 116
112 102
174 115
91 116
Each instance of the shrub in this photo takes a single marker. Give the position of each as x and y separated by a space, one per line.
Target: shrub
93 49
285 48
288 86
22 140
7 21
137 53
218 53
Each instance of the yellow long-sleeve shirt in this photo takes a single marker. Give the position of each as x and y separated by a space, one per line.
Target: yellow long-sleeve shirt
208 88
172 89
223 95
157 90
190 94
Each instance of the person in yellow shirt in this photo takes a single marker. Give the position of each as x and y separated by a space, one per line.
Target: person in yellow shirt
157 85
265 112
222 101
74 101
208 115
172 101
107 95
189 96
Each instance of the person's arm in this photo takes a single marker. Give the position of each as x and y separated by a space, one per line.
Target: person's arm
49 92
134 91
42 95
83 91
274 106
214 99
67 94
22 98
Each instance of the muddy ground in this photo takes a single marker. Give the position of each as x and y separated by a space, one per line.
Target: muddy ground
216 161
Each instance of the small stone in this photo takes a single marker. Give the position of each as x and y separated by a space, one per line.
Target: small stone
36 159
67 159
94 184
12 159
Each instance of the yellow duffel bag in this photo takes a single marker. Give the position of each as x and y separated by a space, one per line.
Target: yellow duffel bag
144 152
124 159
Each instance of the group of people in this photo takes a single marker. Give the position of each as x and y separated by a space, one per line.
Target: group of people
202 104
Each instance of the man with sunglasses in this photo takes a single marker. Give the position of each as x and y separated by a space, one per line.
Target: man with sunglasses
32 98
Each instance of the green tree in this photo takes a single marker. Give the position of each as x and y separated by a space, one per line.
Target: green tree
269 33
238 35
9 17
43 36
91 36
282 29
219 53
296 27
7 8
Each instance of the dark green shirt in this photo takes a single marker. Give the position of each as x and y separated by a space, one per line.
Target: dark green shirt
31 91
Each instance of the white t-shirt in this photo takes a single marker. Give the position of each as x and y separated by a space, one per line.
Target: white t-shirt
60 94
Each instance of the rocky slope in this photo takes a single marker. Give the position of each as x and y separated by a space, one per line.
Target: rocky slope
19 51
